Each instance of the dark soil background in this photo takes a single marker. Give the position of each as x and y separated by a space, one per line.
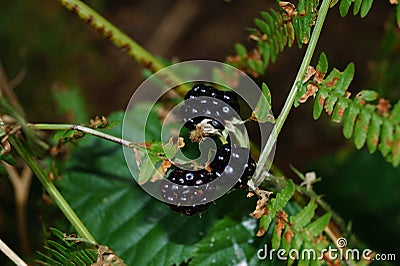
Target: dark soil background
56 50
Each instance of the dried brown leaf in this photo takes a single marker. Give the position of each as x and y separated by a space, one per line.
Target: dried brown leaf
289 8
309 73
165 165
312 90
288 236
181 142
107 257
319 77
99 122
197 134
261 208
383 107
332 83
281 220
161 171
138 157
261 231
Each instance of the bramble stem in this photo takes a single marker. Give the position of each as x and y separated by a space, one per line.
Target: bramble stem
258 178
51 189
117 37
83 129
121 40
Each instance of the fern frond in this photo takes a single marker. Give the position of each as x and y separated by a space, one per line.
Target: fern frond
294 230
360 6
366 118
304 232
275 30
66 252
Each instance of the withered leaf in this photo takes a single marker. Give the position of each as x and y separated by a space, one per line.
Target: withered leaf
309 73
107 257
289 8
288 236
261 231
312 90
280 221
383 107
319 77
262 202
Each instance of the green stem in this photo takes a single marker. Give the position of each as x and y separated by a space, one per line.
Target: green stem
117 37
121 40
258 178
51 189
83 129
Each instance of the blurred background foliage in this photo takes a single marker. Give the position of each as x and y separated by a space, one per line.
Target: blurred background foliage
51 52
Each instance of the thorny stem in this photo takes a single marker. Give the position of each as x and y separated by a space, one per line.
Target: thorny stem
51 189
120 39
258 177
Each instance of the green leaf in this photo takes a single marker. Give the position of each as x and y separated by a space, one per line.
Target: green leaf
302 218
57 256
262 25
361 128
357 6
373 133
263 107
345 79
344 7
319 104
226 244
322 66
255 65
339 110
282 197
330 102
265 51
276 204
65 252
265 220
396 113
119 214
319 225
276 238
365 7
350 117
240 50
63 134
267 17
8 158
398 15
396 148
147 168
368 95
57 246
385 145
48 260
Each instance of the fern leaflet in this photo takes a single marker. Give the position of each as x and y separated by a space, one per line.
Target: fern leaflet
360 6
366 118
275 30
